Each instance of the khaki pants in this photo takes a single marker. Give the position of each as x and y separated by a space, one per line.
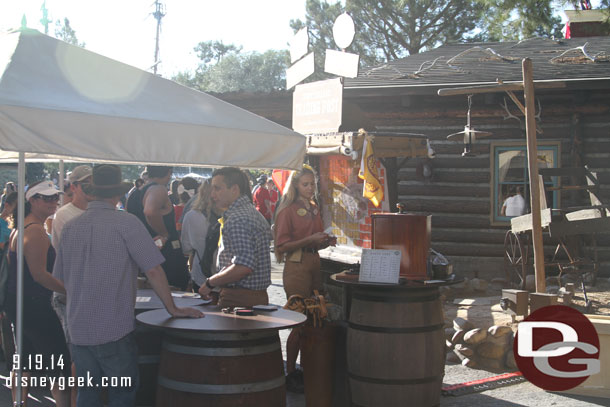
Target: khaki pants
303 277
242 297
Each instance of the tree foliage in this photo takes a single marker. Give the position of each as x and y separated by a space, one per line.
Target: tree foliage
224 68
504 20
391 29
66 33
214 50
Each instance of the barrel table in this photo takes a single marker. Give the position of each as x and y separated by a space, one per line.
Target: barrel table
221 359
149 343
395 344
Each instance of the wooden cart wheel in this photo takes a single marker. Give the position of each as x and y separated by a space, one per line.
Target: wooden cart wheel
515 260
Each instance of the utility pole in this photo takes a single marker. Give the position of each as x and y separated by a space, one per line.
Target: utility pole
158 15
45 17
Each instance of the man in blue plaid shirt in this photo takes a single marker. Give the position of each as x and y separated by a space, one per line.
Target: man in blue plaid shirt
244 259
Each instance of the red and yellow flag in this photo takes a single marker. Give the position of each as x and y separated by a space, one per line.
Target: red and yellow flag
368 172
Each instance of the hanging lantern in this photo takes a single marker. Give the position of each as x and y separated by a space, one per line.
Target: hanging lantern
468 135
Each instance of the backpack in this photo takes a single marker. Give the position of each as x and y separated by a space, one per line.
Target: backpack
211 245
134 202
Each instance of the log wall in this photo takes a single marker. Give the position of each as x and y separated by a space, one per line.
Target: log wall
458 195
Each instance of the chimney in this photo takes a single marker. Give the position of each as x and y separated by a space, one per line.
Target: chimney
586 23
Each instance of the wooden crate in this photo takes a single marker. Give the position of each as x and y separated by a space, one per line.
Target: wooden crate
598 385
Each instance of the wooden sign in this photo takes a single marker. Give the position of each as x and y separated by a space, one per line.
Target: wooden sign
300 71
317 107
341 63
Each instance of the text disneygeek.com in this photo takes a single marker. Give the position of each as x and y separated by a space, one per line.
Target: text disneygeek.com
63 383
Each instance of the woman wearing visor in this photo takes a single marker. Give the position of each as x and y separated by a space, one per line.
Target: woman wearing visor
44 350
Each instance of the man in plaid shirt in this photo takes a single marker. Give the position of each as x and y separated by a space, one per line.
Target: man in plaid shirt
244 260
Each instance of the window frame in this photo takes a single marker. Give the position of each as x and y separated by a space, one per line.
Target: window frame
495 147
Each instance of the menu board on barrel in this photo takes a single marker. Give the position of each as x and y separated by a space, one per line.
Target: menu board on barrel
408 233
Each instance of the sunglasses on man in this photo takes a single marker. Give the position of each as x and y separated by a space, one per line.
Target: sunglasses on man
47 198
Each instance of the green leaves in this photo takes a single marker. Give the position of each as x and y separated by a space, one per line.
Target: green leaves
226 69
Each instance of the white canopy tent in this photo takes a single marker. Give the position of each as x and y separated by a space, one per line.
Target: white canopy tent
60 101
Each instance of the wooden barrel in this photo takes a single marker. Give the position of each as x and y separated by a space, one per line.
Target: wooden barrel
221 369
396 347
149 354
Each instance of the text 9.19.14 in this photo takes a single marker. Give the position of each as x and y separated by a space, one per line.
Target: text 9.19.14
38 362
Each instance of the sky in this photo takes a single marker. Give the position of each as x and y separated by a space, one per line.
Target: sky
125 29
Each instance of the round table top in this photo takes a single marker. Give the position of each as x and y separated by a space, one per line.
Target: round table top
216 321
147 299
403 285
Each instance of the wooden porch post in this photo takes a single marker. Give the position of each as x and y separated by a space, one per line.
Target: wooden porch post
532 162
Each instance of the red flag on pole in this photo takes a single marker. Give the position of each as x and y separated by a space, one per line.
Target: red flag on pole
280 178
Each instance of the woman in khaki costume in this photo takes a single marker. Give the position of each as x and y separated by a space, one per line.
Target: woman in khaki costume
298 237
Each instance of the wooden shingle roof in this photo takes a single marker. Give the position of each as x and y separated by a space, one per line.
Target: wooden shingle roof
571 60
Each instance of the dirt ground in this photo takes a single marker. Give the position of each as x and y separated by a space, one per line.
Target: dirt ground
490 313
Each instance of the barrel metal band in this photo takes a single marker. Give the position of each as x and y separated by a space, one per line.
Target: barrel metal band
221 388
403 299
198 351
245 343
409 330
395 382
222 336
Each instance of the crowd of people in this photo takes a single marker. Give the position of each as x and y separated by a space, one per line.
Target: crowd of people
80 272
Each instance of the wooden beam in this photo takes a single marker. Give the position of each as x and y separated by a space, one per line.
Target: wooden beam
514 98
505 87
532 163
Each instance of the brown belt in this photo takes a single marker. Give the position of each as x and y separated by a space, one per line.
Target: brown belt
309 250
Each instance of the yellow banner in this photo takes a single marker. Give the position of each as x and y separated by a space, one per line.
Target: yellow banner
368 172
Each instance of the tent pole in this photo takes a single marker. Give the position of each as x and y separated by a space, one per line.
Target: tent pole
20 260
60 181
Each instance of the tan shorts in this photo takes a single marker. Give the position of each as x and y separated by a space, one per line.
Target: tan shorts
303 277
242 297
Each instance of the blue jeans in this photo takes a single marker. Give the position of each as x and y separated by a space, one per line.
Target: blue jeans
111 360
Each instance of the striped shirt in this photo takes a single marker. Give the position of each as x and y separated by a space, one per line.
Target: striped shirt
98 259
245 241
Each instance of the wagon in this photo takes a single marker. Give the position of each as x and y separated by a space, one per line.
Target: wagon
573 229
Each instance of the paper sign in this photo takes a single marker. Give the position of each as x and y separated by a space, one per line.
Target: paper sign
380 266
143 299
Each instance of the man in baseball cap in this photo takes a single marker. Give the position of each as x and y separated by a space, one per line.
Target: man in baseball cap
77 177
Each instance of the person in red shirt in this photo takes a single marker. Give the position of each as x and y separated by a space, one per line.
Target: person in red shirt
273 194
298 237
262 199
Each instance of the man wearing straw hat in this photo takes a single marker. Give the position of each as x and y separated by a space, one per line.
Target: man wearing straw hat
99 256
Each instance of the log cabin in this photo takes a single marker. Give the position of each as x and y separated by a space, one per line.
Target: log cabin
465 194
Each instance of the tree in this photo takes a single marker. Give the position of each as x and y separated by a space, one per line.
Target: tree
129 172
390 29
34 172
215 50
224 68
66 33
518 19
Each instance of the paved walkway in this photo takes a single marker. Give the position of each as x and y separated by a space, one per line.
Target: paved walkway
41 397
524 394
